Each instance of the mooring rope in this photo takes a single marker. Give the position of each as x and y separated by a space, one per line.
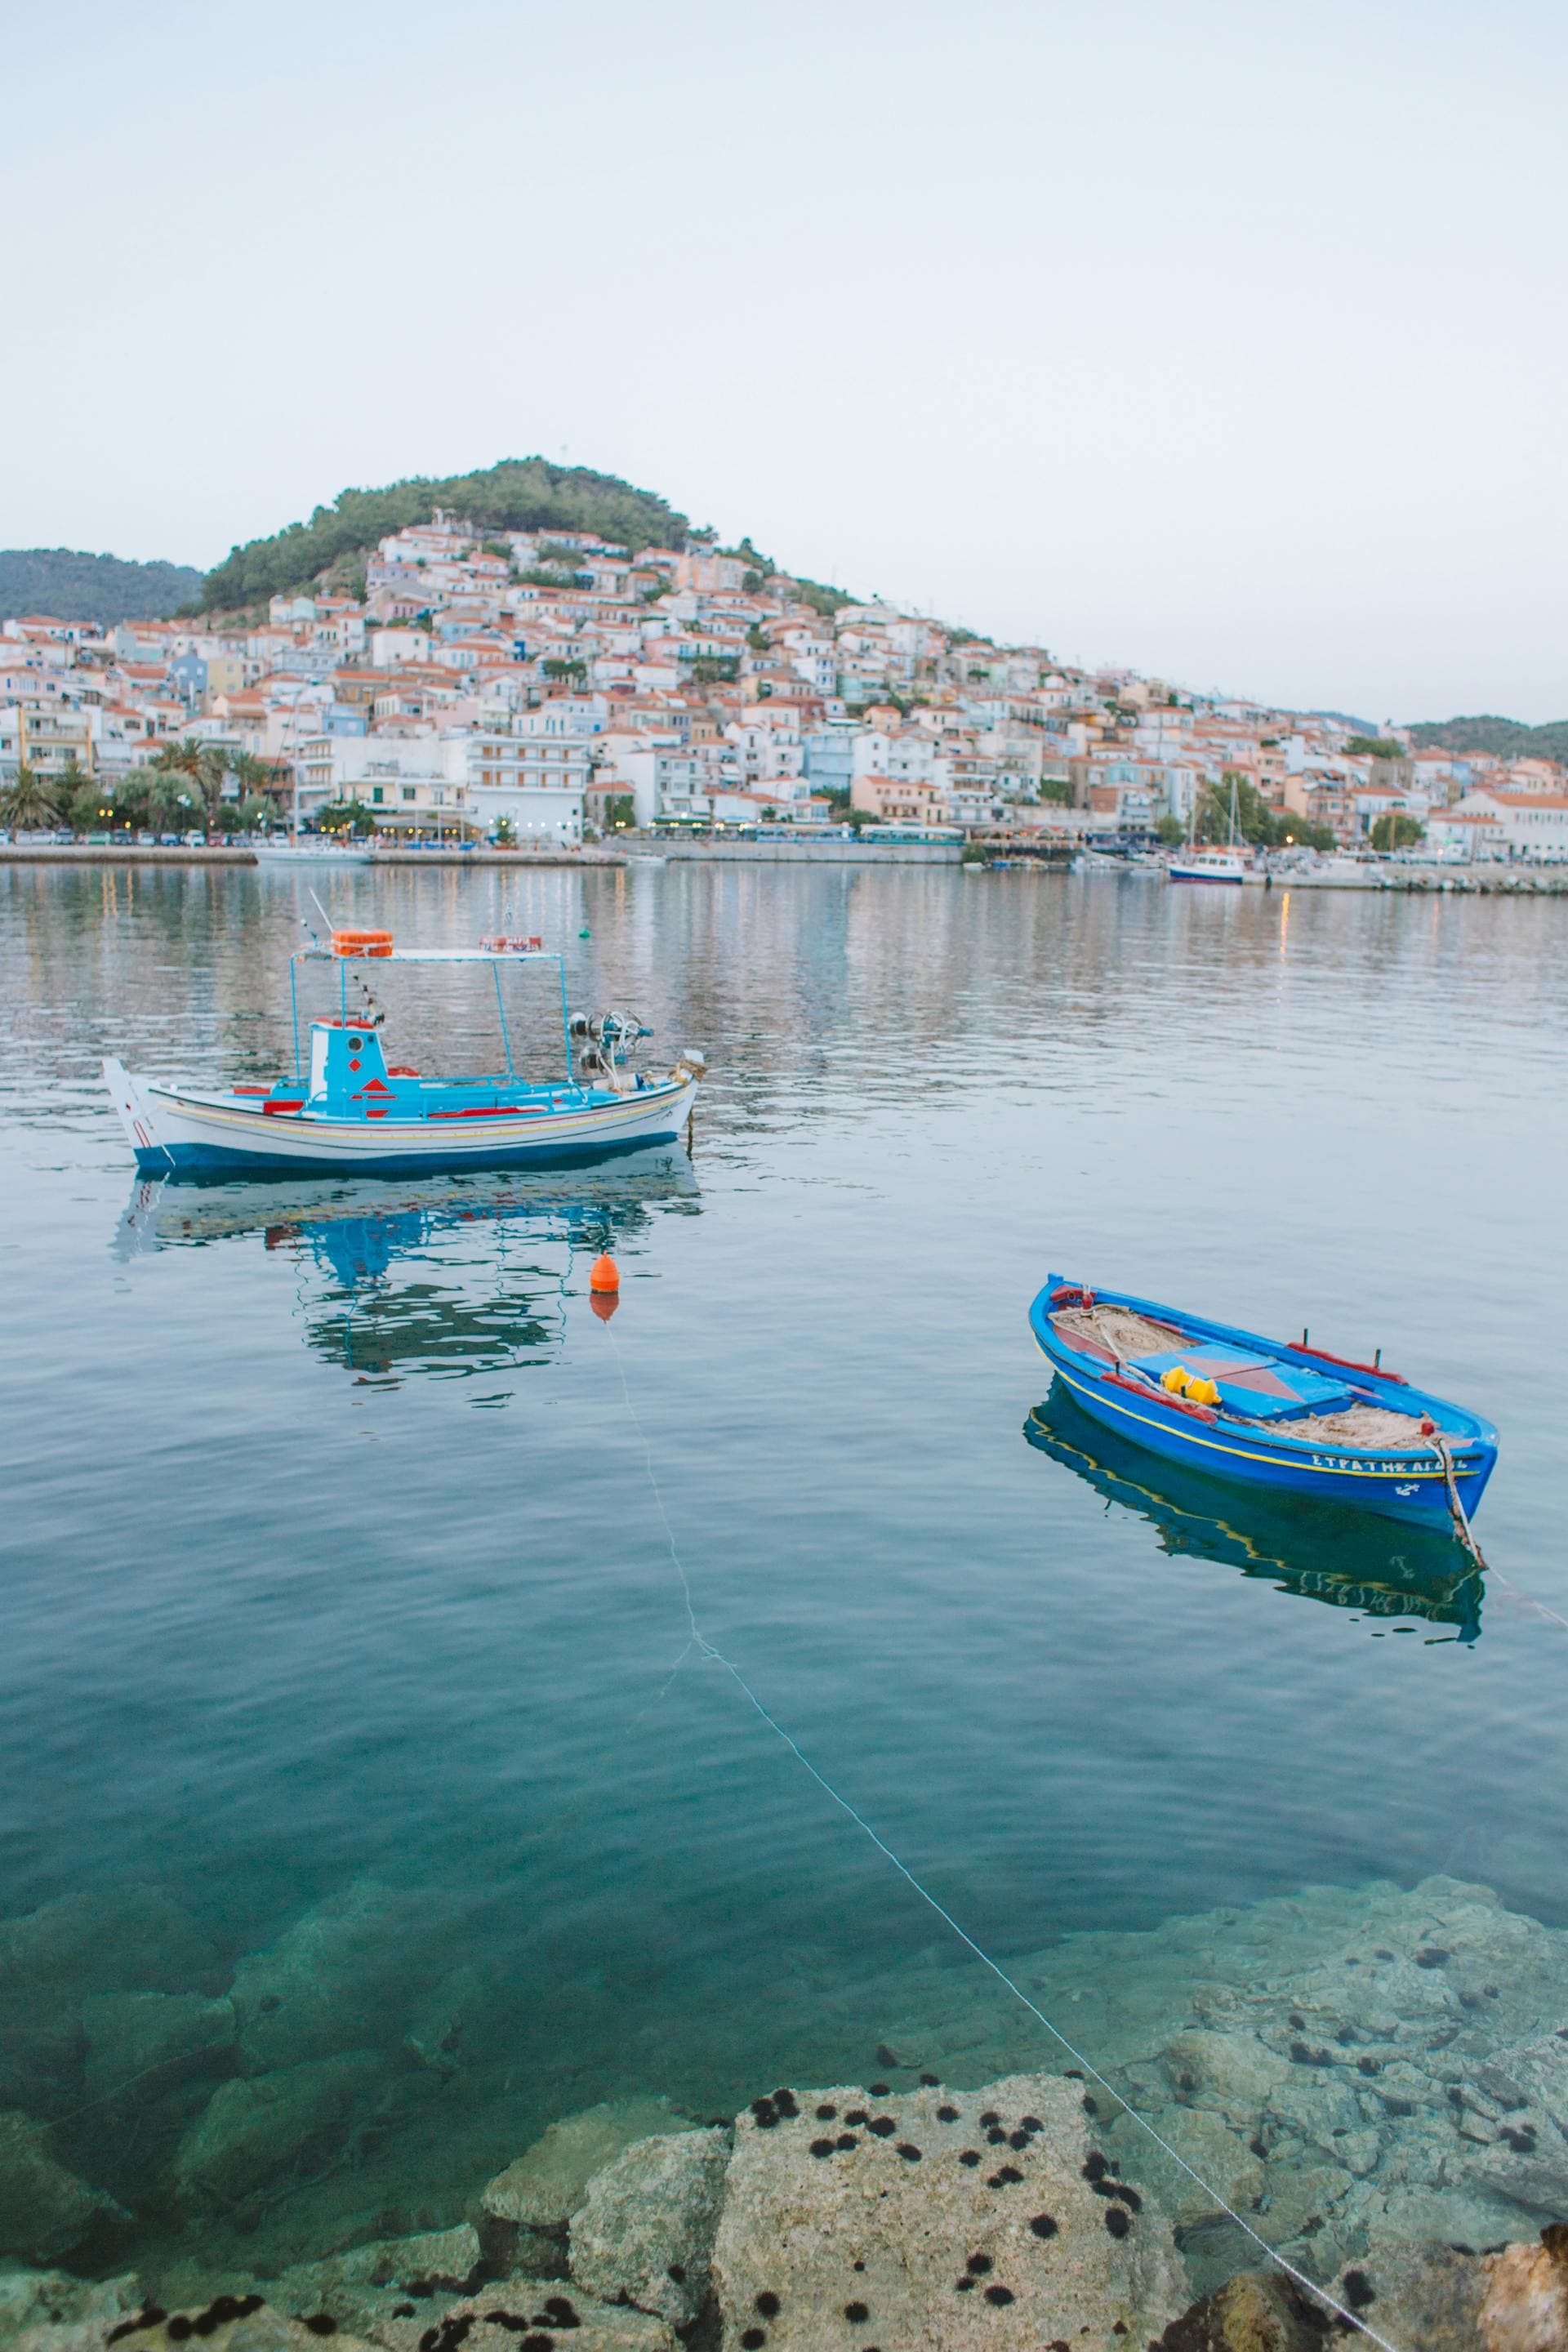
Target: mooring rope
1457 1511
711 1651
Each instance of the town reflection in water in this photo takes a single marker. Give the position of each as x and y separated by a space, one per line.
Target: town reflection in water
1377 1568
446 1276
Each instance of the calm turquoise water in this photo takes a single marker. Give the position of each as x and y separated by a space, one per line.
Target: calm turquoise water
330 1553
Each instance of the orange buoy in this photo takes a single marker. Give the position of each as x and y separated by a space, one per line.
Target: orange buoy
604 1303
357 943
606 1274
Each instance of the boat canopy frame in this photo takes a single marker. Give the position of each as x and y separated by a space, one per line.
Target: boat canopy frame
494 957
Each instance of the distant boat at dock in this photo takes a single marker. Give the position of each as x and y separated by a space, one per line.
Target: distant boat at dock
1209 866
310 851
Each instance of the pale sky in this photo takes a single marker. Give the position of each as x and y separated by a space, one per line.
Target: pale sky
1222 339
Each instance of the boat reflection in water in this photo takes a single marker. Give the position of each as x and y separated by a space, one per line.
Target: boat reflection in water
448 1276
1313 1548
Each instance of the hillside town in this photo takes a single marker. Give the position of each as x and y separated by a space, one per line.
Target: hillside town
543 688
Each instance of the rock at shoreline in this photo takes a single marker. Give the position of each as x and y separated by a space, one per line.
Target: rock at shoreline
362 2287
86 2308
644 2232
134 2039
338 1979
545 2185
256 2126
228 2324
1423 2298
882 2220
504 2316
1526 2306
45 2211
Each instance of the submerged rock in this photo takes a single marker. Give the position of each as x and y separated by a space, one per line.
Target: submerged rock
52 1960
139 2042
885 2221
644 2232
45 2211
337 1980
122 1939
443 2030
256 2126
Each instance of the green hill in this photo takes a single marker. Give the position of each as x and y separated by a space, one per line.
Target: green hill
1506 738
103 589
519 494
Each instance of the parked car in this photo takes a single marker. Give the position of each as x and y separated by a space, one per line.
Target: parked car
64 834
145 840
99 840
168 840
277 840
5 835
195 839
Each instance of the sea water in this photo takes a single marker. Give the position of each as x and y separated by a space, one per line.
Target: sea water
352 1561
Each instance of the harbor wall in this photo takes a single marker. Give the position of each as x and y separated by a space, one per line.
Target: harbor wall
802 853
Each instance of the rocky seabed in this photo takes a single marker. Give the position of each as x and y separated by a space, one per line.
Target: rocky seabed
1374 2079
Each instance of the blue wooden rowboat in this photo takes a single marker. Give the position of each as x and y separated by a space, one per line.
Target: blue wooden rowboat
1265 1412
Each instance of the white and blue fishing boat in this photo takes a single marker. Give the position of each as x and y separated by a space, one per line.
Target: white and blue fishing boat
345 1109
1279 1414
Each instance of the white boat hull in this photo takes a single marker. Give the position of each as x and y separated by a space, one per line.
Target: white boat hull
307 860
170 1129
1231 871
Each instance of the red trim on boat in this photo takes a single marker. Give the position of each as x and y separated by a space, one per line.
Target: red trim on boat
1348 1363
501 1110
1161 1396
269 1108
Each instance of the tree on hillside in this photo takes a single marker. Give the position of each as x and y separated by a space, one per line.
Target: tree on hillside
102 589
519 494
1375 747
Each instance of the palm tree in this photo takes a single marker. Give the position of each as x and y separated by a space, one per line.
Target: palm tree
201 765
29 802
188 756
255 774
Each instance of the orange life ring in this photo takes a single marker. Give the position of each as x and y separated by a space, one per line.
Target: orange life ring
361 943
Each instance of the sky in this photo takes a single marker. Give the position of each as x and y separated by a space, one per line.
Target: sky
1224 340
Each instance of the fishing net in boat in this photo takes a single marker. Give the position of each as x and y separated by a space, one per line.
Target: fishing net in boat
1357 1424
1128 1336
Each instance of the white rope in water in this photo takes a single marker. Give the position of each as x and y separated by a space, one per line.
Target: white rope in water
709 1650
